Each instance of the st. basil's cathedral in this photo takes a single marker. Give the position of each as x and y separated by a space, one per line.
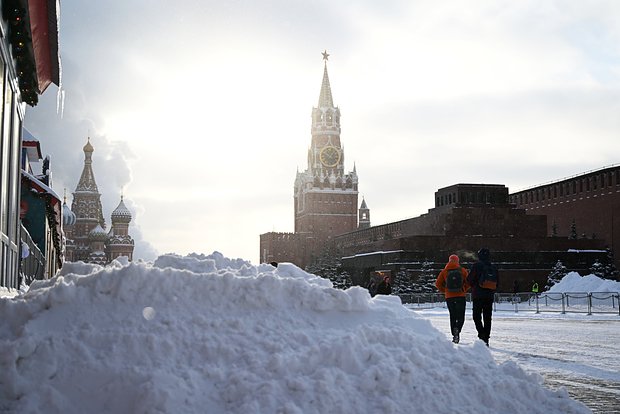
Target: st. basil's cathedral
85 227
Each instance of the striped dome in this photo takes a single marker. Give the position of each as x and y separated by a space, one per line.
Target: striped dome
121 213
98 233
68 216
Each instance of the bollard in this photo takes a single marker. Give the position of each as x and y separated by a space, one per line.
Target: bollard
589 303
563 308
537 309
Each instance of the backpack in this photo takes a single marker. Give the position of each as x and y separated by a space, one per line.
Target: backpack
454 280
488 277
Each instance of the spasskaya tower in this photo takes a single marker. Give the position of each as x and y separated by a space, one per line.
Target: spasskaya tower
325 196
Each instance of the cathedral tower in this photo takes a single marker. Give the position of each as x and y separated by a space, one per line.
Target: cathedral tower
120 242
87 207
325 196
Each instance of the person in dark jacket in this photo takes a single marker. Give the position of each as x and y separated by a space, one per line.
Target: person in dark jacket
482 297
384 287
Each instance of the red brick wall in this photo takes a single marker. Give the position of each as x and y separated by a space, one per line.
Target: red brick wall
592 200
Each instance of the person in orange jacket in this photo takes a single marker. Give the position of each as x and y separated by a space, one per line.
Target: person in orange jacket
452 282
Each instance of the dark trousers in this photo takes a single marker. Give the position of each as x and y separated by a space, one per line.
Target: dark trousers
482 313
456 307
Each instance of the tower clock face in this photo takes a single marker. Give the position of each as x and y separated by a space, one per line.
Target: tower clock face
330 156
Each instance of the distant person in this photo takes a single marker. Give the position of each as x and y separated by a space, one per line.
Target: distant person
372 287
384 287
483 279
452 282
534 288
515 287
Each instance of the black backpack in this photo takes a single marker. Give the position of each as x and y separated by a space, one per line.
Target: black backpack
454 280
488 277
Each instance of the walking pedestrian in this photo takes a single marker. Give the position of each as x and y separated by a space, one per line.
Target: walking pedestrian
452 282
483 278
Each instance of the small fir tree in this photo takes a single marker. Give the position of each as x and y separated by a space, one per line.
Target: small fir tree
402 283
426 279
557 273
328 266
610 270
597 269
573 230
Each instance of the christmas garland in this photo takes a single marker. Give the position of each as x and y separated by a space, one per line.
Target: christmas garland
21 45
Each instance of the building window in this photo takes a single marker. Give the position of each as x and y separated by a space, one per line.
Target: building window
594 182
574 187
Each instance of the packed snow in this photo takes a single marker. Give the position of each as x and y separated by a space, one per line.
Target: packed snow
206 334
574 282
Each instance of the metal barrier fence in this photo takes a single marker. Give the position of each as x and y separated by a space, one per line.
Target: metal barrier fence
33 266
560 302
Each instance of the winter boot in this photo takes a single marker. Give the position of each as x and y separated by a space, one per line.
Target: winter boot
455 336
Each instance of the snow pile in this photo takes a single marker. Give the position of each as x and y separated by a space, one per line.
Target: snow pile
6 292
169 337
199 263
574 282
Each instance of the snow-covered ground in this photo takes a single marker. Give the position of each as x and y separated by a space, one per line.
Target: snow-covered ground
575 351
203 334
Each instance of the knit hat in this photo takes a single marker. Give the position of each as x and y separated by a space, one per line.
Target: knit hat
483 254
453 258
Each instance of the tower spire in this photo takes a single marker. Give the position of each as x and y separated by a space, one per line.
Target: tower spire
87 179
325 98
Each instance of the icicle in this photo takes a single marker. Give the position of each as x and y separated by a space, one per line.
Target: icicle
60 101
60 95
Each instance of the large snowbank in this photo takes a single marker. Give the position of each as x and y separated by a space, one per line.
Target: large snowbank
200 335
574 282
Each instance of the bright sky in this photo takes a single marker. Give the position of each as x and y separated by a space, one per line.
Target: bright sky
204 334
200 110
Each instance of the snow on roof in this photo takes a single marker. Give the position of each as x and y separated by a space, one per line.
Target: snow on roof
375 252
199 334
40 186
27 136
31 145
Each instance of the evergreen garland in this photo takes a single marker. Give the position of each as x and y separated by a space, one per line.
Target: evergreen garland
20 41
